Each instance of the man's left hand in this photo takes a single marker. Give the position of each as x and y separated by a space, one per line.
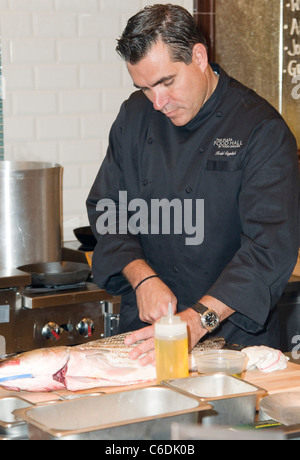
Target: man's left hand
145 351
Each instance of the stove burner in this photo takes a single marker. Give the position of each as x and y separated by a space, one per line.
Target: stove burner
61 287
59 311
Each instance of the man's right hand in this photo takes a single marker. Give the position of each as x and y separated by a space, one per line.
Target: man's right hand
153 295
153 298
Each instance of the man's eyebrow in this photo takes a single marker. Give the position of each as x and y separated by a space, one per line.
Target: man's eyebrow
159 82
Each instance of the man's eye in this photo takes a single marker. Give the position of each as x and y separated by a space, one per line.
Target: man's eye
170 83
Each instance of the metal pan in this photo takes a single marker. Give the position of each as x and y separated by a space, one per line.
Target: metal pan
50 274
86 237
137 414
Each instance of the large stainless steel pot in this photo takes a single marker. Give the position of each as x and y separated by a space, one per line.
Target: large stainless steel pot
30 213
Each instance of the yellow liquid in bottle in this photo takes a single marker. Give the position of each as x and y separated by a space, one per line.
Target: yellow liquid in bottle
171 357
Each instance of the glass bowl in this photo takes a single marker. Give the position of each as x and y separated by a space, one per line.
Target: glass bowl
224 361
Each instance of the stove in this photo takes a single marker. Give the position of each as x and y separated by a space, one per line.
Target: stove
33 318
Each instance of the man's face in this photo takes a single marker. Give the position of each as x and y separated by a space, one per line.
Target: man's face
174 88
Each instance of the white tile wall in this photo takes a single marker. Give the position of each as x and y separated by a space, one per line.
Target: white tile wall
64 86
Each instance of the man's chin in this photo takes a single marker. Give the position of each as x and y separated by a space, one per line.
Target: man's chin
177 119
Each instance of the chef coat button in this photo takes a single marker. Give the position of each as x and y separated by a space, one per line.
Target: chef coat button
189 190
150 140
175 270
219 114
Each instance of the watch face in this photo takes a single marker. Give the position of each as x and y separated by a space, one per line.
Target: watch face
211 320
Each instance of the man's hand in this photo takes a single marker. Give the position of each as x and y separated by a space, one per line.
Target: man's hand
152 295
147 347
146 350
153 298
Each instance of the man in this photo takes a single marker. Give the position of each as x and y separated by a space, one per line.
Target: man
222 164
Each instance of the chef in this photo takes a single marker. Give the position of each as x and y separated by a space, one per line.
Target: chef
197 201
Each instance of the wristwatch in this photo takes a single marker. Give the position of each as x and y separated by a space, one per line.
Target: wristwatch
209 318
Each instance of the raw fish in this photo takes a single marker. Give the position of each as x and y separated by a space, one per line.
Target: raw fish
101 363
74 368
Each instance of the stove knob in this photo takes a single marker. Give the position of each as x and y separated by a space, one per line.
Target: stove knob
51 331
86 327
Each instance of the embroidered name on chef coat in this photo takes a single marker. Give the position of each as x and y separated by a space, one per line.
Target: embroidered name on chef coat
230 147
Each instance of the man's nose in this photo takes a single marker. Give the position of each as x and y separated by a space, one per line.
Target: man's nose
160 99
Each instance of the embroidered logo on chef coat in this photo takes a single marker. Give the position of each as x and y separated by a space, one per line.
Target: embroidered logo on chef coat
229 147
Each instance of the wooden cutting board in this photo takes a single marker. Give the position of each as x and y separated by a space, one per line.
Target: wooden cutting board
276 382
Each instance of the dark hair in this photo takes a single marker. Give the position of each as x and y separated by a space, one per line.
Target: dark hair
171 24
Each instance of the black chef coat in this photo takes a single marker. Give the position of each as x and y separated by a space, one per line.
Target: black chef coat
239 156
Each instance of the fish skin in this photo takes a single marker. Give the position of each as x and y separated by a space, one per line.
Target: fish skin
101 363
73 368
41 363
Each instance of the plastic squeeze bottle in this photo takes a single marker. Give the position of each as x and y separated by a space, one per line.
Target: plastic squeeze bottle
171 347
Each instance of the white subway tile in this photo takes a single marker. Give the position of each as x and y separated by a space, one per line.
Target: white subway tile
101 76
18 76
57 128
120 6
31 5
81 151
96 126
18 129
48 25
78 102
83 6
15 24
43 151
59 57
56 76
34 102
74 200
72 177
126 79
32 51
99 25
108 51
5 51
78 51
112 99
3 4
7 105
33 151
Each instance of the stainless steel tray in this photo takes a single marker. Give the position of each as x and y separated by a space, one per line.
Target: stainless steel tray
145 413
234 400
10 426
282 407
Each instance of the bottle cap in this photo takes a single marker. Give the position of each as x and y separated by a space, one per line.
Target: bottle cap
170 326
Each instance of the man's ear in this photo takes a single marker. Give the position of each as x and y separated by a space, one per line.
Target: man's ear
200 56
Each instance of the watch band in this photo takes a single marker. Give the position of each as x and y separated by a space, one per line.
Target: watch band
200 308
209 318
